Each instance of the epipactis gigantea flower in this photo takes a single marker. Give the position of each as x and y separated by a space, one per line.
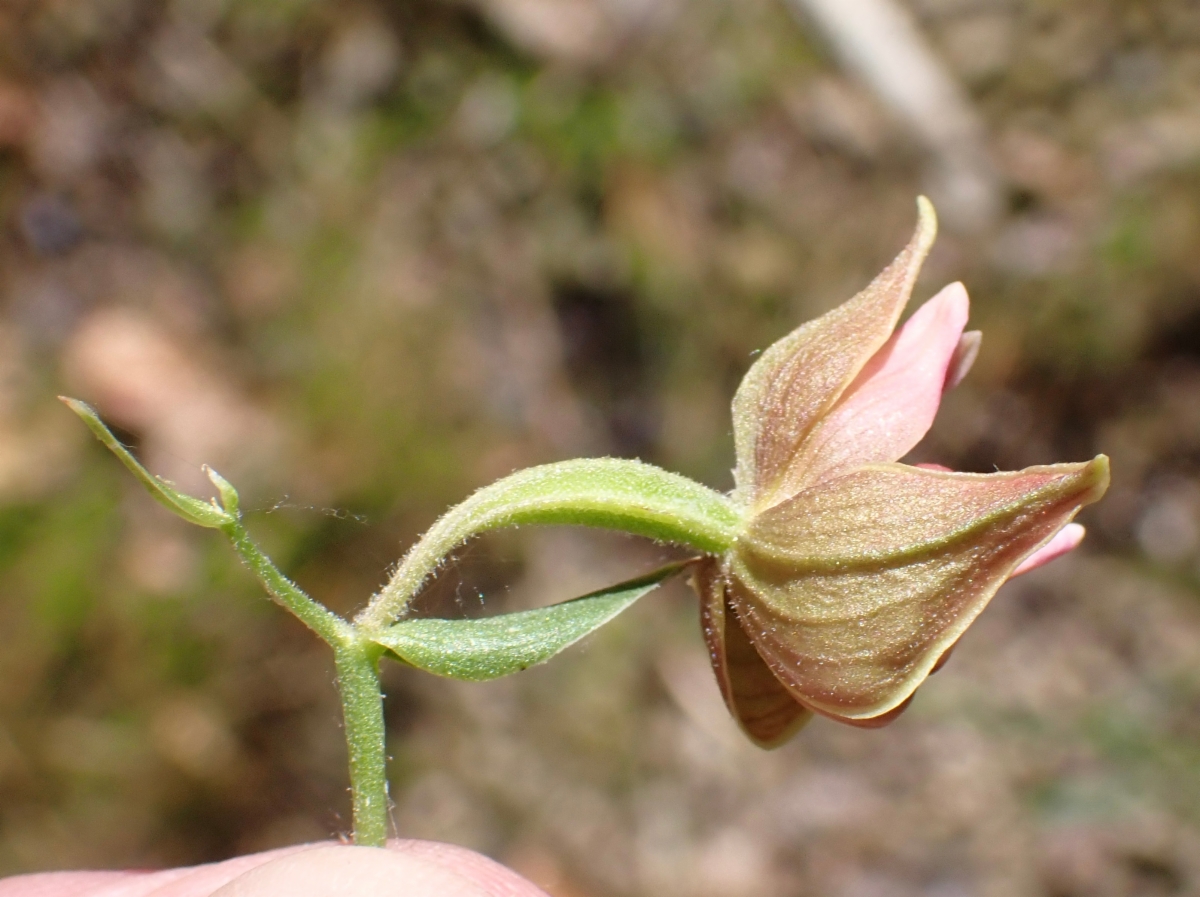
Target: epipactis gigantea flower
854 575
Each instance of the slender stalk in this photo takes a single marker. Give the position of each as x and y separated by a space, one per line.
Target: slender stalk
362 709
328 625
612 493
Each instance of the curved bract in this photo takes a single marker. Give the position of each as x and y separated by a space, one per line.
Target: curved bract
492 647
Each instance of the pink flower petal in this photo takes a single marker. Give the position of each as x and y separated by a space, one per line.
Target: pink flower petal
891 404
1067 539
963 359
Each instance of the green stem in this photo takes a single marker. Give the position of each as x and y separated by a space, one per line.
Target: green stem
358 685
328 625
362 709
601 492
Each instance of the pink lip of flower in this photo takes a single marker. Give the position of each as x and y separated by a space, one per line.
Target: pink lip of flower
855 575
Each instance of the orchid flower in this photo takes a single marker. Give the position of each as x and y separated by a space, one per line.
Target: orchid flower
853 575
833 579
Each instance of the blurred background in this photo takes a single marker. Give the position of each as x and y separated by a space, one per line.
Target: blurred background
365 257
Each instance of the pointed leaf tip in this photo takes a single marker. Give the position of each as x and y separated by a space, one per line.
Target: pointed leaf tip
492 647
1102 474
191 509
927 224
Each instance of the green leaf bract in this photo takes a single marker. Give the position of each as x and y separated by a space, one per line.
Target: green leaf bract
478 650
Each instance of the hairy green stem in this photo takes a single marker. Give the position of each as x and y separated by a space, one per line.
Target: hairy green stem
362 708
600 492
358 685
328 625
604 492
